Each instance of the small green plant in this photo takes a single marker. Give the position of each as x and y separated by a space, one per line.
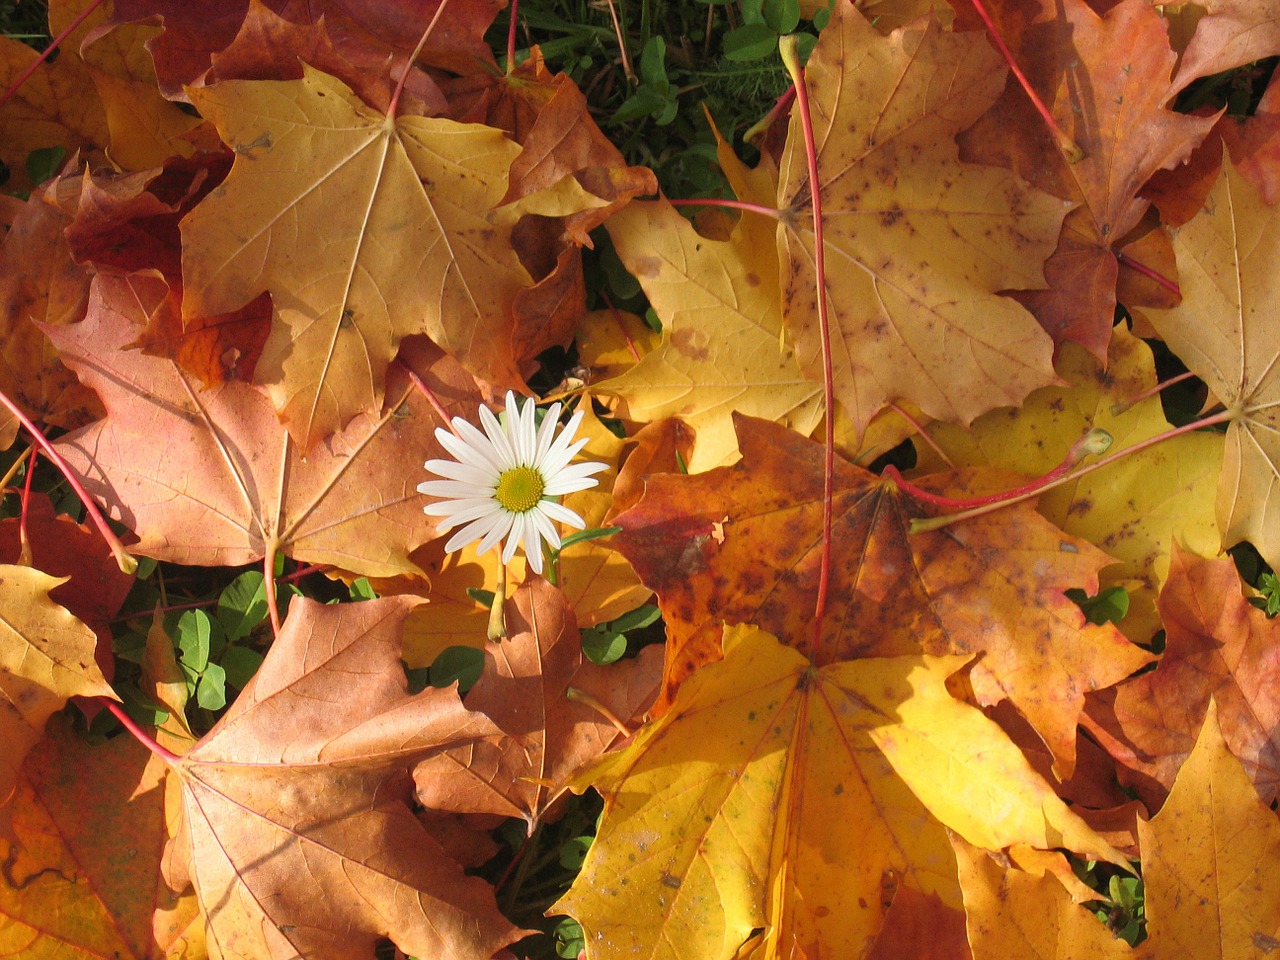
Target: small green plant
607 642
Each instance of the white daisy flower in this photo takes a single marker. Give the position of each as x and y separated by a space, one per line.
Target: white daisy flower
502 482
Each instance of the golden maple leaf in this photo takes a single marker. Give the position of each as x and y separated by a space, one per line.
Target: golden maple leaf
1211 862
1227 332
918 244
364 229
775 794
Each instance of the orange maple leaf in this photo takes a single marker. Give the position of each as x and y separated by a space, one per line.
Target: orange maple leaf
1217 645
80 875
992 584
1107 81
770 801
229 486
550 733
296 828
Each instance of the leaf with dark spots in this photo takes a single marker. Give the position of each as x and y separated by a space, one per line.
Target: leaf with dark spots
992 584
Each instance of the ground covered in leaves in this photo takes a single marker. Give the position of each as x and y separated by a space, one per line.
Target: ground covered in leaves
831 673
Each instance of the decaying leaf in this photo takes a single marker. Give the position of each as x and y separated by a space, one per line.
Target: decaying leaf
81 875
550 734
46 656
230 485
1217 646
1134 509
721 329
1107 80
1211 865
918 244
742 544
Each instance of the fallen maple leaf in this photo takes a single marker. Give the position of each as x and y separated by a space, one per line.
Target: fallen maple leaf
1227 332
81 877
46 656
992 583
549 733
1211 866
39 282
1228 34
270 46
721 326
1134 509
918 244
229 486
1106 80
412 242
1217 645
196 30
57 106
775 794
595 578
296 829
93 587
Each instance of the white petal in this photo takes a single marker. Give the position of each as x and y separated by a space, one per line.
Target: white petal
474 531
558 511
466 472
546 435
545 527
559 456
513 539
483 457
571 479
522 428
467 510
555 453
455 490
472 446
501 528
498 439
532 542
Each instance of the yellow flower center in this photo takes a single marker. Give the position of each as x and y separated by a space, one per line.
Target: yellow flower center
519 489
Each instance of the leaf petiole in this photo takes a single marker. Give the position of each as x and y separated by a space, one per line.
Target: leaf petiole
124 559
921 524
1093 443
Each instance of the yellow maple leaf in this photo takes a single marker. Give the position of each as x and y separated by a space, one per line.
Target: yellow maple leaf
918 245
1133 509
1211 862
1227 332
364 229
774 795
721 348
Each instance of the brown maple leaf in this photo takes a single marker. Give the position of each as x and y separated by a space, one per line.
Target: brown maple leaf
743 544
196 30
227 485
296 828
551 733
1107 80
94 587
271 46
46 656
1217 645
918 244
1210 865
40 283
